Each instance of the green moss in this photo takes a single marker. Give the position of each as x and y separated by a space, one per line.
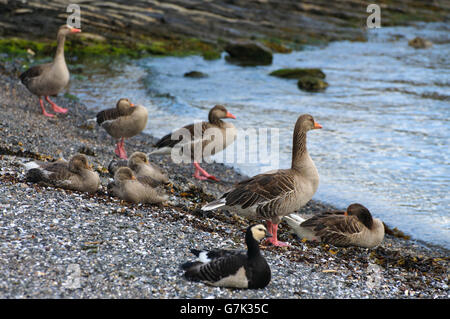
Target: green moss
86 48
296 73
211 55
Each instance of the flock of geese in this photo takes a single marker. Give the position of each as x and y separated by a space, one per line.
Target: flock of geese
270 196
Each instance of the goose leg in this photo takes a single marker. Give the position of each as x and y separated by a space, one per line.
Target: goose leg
200 171
117 150
123 153
55 107
273 228
43 109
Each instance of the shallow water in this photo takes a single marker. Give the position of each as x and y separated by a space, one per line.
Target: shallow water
385 117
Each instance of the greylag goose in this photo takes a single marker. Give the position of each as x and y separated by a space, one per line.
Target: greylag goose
232 268
75 175
50 78
354 227
142 169
130 189
124 121
199 138
277 193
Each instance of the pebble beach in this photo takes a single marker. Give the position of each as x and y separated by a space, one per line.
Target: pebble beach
123 250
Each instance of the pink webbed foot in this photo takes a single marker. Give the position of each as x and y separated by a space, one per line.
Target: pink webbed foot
44 112
273 229
201 174
55 107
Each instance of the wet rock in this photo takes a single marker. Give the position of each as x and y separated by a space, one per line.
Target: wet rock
420 43
297 73
195 74
248 54
311 84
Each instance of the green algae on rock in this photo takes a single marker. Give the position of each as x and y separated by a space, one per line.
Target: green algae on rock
297 73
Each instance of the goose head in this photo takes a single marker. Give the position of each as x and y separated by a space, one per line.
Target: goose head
137 158
67 29
219 112
361 212
306 123
258 232
124 174
124 105
78 163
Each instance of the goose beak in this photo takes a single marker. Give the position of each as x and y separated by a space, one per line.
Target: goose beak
131 104
133 177
346 213
229 115
75 30
317 125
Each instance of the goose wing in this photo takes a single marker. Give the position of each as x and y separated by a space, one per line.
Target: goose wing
264 190
112 114
217 269
172 139
33 72
335 229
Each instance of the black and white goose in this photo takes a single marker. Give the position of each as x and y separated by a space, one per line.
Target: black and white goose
232 268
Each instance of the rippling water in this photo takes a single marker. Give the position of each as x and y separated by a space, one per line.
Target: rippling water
385 117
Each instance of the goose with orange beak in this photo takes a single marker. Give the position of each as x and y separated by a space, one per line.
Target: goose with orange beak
124 121
275 194
197 136
48 79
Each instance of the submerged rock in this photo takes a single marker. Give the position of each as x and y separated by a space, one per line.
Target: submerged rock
195 74
311 84
420 43
248 54
297 73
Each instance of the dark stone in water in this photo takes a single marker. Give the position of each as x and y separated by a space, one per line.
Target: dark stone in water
297 73
311 84
195 74
248 54
420 43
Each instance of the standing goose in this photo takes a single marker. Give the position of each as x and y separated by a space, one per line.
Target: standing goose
232 268
50 78
354 227
199 139
142 169
128 188
124 121
278 193
75 175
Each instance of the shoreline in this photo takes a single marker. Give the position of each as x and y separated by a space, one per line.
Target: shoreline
407 265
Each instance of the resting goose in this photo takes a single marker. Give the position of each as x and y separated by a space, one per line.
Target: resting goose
130 189
142 169
278 193
355 227
198 139
124 121
75 175
232 268
50 78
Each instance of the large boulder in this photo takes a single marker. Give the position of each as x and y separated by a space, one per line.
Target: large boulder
248 53
311 84
297 73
